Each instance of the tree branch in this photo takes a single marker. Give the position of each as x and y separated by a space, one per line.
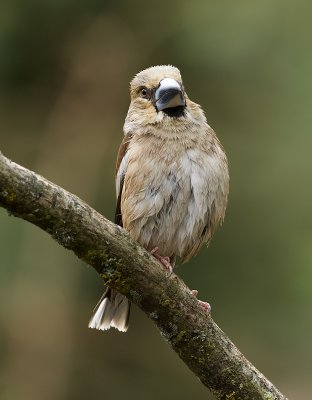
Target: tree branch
124 265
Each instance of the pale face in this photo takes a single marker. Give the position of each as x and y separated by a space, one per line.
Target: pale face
158 90
159 104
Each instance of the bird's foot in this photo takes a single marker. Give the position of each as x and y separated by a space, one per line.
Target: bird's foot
165 261
203 304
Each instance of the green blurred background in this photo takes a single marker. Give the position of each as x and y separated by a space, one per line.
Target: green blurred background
65 67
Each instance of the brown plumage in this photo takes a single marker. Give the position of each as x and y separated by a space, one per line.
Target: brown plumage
172 177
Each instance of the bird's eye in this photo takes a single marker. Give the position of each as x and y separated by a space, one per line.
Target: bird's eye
144 93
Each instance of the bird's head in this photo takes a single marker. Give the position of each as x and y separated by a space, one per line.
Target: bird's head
158 99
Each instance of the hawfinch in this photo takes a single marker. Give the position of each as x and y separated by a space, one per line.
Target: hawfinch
172 179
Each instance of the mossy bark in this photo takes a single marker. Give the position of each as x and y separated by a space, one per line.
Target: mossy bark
124 265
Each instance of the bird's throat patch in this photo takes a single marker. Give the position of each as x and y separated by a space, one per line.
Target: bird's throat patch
174 112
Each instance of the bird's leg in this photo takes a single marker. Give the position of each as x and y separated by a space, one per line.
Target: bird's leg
165 261
203 304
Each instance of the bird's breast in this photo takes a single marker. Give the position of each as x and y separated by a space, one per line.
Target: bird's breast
172 195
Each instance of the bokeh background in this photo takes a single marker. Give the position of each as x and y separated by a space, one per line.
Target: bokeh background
65 67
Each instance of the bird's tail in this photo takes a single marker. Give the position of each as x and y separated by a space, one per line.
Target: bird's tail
112 310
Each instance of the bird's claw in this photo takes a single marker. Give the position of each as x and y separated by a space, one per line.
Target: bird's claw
203 304
165 261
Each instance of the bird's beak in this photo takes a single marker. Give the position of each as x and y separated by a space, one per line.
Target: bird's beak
169 94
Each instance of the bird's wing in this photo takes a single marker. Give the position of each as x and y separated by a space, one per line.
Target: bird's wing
121 168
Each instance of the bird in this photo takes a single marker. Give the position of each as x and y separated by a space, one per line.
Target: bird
172 180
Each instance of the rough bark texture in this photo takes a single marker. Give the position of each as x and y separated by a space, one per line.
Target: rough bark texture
127 267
